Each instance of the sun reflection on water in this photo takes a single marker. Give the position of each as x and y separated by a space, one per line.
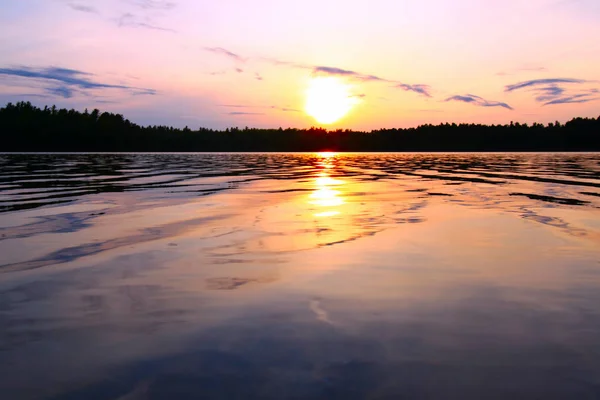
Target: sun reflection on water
327 192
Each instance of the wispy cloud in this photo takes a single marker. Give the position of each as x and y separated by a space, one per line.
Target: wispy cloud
64 75
283 63
238 106
548 93
478 101
284 109
258 76
153 4
41 96
82 8
538 82
226 53
244 113
143 92
420 89
61 91
321 70
250 106
553 91
577 98
63 81
130 20
333 71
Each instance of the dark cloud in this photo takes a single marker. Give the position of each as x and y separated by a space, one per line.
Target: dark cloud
68 80
66 76
478 101
129 20
82 8
153 4
549 93
239 70
539 82
225 52
420 89
61 91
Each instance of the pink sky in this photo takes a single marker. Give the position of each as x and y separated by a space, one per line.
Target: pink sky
236 63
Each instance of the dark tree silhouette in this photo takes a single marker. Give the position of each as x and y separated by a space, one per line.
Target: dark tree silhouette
25 127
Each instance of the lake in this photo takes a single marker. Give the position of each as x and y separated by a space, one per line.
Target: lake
300 276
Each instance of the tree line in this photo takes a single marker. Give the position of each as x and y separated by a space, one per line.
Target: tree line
24 127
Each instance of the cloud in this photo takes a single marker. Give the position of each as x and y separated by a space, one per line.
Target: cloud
238 106
82 8
143 92
285 109
226 53
281 63
41 96
333 71
61 91
549 93
478 101
538 82
420 89
552 91
153 4
577 98
243 113
67 76
67 80
257 76
239 70
132 21
321 70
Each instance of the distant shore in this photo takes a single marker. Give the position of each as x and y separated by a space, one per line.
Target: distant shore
26 128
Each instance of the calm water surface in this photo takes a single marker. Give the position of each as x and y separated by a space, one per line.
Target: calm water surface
316 276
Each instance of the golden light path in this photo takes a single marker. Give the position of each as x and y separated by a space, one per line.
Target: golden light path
328 99
325 195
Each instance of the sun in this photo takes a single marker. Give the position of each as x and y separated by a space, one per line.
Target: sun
328 99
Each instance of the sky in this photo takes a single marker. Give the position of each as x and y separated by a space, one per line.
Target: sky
224 63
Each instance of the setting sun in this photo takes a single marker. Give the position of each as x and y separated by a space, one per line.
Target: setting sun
328 99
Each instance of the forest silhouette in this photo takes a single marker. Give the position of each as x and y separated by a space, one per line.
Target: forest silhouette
25 127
